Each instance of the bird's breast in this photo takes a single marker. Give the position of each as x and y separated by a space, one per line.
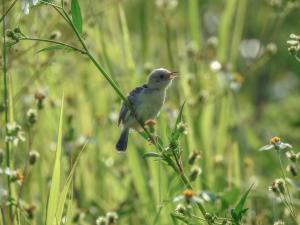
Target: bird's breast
150 103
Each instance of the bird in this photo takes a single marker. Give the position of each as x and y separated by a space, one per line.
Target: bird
146 102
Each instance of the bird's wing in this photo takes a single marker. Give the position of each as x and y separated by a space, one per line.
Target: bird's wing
132 98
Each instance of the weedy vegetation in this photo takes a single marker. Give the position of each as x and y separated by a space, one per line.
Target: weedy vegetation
215 155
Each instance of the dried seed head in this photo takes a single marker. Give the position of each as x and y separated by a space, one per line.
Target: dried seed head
271 48
112 218
292 169
33 157
182 128
280 184
294 36
219 159
212 42
276 3
195 172
291 156
293 50
101 220
181 209
31 116
279 222
55 35
273 188
40 97
18 176
30 210
193 157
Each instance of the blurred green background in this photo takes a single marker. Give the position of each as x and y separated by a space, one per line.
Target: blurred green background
239 82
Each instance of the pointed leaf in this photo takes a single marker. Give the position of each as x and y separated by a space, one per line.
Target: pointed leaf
179 117
151 154
239 207
76 15
65 190
52 48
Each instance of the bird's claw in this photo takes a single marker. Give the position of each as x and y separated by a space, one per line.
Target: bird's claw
153 139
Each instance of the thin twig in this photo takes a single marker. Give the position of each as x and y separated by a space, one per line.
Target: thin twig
53 42
7 11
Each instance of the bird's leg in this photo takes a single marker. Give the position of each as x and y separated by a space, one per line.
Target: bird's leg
151 125
153 139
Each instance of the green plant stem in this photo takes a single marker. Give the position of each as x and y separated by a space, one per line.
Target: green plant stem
291 208
6 106
7 11
53 42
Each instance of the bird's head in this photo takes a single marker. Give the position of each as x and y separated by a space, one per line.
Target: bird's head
160 78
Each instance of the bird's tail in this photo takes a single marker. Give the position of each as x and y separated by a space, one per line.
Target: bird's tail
123 140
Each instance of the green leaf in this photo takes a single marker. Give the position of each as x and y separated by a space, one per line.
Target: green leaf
239 207
55 181
151 154
238 212
76 15
52 48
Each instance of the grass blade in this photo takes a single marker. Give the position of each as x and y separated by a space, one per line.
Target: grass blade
66 188
55 182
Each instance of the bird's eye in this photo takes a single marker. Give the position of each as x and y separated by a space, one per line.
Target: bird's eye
161 76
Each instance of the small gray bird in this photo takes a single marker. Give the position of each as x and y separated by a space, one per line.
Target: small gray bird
146 102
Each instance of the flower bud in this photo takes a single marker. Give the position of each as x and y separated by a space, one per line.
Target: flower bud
9 33
17 30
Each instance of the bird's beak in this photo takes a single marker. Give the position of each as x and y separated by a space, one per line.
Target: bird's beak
172 75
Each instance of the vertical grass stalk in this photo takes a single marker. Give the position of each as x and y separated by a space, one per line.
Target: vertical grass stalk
6 105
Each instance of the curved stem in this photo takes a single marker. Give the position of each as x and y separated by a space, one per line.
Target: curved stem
53 42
